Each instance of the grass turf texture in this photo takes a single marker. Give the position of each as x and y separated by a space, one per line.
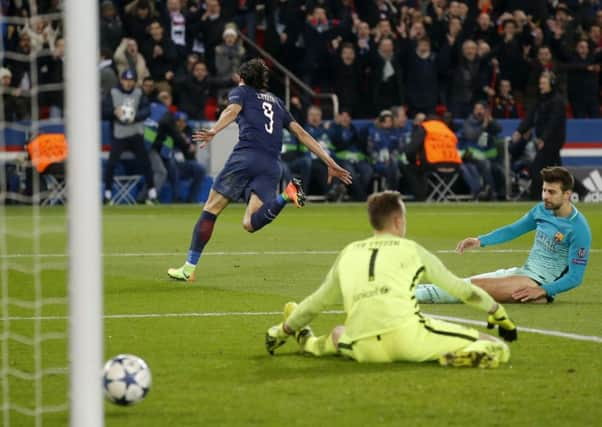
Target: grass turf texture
215 371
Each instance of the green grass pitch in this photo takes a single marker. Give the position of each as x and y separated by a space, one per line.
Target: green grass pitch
208 359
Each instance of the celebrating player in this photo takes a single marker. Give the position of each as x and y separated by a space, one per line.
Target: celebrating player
252 171
375 278
557 259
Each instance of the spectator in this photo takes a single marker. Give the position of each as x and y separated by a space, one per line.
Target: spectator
126 107
149 89
504 106
352 153
347 79
138 16
485 30
422 78
244 14
174 23
187 166
15 107
297 158
41 34
317 35
284 26
207 28
173 153
318 184
193 90
584 81
51 72
160 54
467 81
111 27
546 124
108 78
480 132
509 56
127 57
403 133
228 57
387 77
21 70
382 145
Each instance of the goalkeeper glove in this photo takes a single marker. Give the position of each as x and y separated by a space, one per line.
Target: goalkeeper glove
506 327
275 337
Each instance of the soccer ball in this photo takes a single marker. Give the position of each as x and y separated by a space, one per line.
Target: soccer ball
128 114
127 379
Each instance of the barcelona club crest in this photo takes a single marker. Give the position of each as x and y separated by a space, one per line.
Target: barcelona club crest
558 237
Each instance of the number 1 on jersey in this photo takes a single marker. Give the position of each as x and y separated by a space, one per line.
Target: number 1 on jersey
371 266
269 113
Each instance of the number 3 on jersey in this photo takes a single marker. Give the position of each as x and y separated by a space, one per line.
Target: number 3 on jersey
269 113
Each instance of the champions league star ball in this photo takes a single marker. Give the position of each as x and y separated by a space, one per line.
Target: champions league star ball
127 113
127 379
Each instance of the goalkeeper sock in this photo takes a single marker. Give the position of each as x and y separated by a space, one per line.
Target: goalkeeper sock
267 212
320 346
431 294
200 236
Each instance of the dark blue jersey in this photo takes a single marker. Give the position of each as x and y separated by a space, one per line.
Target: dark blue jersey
261 120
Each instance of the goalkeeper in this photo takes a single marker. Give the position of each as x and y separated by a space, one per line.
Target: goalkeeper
375 278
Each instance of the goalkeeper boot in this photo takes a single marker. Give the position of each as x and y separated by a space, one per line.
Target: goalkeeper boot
470 359
184 273
294 192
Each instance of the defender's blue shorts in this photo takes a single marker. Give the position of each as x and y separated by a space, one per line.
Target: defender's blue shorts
246 172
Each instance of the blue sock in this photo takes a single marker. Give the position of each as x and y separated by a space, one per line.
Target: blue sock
431 294
267 213
200 236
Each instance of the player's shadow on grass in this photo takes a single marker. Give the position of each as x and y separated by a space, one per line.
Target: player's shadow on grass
294 365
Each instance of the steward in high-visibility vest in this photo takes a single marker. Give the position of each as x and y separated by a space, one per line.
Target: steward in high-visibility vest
440 144
47 149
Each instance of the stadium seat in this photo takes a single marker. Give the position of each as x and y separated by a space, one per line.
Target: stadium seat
57 190
440 182
125 189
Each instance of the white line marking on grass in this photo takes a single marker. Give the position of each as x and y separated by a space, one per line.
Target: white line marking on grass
258 253
547 332
551 333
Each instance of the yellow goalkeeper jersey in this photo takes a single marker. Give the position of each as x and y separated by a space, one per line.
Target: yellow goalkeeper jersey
375 279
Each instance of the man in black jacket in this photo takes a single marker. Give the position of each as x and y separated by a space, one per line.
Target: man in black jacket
547 120
160 54
193 90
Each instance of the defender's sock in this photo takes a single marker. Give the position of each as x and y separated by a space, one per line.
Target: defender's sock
268 212
200 236
431 294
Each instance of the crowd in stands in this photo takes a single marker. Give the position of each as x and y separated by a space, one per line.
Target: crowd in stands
472 60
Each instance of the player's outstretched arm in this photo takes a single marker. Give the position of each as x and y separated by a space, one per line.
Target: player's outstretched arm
334 170
204 136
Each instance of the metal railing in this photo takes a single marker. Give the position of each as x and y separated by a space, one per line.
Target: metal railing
289 76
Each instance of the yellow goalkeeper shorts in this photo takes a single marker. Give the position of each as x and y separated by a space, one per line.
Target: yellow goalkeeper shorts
419 341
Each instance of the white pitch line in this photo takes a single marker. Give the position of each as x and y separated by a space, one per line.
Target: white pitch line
547 332
256 253
552 333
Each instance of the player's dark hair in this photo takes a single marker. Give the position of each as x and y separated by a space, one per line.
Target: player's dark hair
255 74
559 174
381 206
